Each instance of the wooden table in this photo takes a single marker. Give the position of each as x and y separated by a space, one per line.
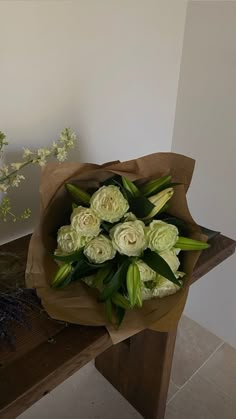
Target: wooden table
51 352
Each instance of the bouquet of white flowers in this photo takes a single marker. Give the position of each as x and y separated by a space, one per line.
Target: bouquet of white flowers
121 241
118 234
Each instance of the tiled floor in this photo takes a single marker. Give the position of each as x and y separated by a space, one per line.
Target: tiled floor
203 376
203 385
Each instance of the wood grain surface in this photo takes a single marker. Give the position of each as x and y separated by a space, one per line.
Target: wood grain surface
140 368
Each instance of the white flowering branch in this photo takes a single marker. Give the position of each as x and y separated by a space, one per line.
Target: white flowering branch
10 176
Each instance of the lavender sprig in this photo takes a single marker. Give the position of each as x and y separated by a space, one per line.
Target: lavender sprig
13 310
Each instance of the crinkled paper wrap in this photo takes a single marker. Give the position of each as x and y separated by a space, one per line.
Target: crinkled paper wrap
77 303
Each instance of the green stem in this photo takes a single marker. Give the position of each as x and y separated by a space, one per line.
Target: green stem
3 178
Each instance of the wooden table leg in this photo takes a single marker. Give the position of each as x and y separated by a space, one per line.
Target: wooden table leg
139 368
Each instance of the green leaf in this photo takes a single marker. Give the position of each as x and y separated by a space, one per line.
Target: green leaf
101 274
119 300
177 222
106 226
130 186
71 257
120 314
77 194
158 264
108 306
162 210
82 269
154 186
116 281
168 185
104 275
140 206
161 185
114 180
150 284
110 274
96 265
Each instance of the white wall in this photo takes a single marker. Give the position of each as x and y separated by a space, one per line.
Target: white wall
205 128
109 69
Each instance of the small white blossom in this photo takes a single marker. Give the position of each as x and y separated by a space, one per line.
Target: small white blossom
63 137
10 177
3 141
15 180
41 161
43 152
72 139
67 138
5 170
54 146
5 208
16 166
61 154
26 214
3 187
27 153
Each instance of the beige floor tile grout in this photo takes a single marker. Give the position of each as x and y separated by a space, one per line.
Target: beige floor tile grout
204 363
175 384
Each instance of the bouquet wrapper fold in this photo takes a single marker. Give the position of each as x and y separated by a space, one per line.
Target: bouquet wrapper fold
78 303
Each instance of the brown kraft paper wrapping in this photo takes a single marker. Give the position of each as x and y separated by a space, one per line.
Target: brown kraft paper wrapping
78 303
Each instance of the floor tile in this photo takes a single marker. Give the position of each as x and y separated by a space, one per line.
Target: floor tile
172 390
199 399
221 370
194 345
85 395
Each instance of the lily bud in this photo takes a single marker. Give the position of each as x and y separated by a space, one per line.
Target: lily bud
185 243
61 275
154 185
78 194
133 283
139 300
159 200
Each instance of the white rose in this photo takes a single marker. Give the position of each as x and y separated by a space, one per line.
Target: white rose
161 236
109 204
146 273
69 240
170 256
129 238
99 249
85 221
129 216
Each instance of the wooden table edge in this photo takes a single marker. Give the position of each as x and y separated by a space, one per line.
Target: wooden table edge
22 401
